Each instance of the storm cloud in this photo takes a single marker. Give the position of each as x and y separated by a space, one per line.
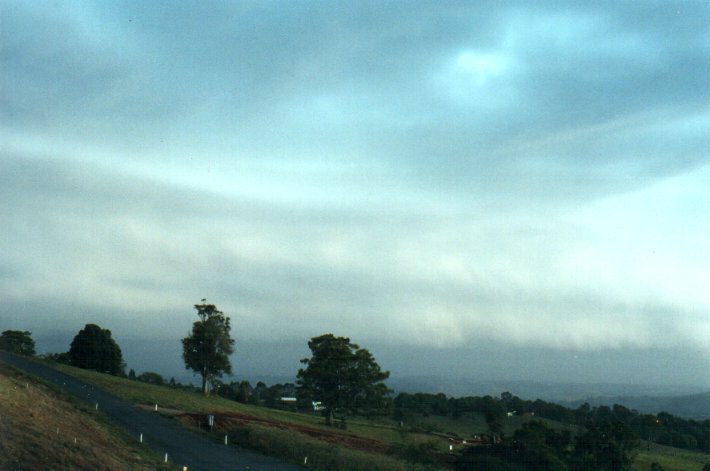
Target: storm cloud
412 175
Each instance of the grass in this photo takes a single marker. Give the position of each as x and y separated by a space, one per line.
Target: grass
188 401
672 459
289 435
41 429
317 455
275 435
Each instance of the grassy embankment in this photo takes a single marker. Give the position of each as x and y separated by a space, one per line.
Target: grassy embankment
363 446
672 459
41 429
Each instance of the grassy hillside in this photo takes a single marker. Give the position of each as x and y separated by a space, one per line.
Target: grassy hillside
41 429
672 459
365 445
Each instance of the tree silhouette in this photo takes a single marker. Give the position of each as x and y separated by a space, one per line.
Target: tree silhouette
342 376
94 349
17 341
207 348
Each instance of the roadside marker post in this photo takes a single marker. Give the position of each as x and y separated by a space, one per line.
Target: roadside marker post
97 406
156 407
166 457
225 439
141 439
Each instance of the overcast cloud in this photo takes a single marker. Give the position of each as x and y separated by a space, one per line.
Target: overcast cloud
409 174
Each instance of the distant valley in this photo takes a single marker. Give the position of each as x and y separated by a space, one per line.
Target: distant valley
694 406
690 401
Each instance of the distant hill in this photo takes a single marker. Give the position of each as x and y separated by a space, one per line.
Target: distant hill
549 391
693 406
682 400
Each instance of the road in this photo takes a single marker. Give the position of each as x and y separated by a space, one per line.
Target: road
184 447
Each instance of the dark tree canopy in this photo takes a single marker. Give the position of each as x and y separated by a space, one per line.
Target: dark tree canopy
606 446
17 341
151 378
207 348
343 377
94 349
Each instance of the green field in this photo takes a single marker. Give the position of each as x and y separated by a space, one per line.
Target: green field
672 459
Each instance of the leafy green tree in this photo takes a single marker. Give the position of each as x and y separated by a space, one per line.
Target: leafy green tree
94 349
243 392
494 412
17 341
57 357
606 446
206 350
343 377
151 377
538 446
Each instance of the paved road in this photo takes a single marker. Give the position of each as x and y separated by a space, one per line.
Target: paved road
184 447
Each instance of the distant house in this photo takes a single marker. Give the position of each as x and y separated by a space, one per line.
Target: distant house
476 440
289 402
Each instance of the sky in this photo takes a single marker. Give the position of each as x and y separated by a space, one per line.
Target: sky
499 190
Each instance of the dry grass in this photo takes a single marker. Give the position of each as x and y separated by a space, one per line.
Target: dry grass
39 428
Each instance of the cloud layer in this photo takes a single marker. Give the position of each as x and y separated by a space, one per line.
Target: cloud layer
435 175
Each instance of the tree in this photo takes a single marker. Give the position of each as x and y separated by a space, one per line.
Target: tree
606 446
342 376
17 341
151 377
94 349
494 412
57 357
206 350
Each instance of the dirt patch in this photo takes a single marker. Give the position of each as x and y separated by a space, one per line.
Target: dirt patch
224 422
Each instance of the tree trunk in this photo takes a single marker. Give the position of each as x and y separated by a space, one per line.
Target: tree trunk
329 417
204 382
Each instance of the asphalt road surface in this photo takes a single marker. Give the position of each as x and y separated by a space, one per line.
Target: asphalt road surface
184 447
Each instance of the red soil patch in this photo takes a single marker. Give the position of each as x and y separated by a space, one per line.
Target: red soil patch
227 421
